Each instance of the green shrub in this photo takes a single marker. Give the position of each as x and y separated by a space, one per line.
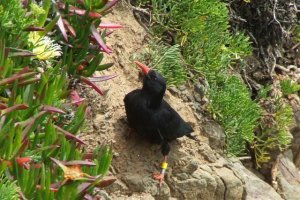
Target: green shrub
234 109
201 28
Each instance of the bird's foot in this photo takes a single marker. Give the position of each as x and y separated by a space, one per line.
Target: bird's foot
159 176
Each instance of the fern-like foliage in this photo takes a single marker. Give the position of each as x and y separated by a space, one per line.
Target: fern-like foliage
234 109
167 60
8 189
273 135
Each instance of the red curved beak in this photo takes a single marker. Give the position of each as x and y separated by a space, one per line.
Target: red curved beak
145 68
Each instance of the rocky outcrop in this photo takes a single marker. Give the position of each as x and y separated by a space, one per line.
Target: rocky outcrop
215 133
255 188
288 178
223 179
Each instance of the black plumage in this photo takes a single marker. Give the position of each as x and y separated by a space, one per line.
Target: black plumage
150 115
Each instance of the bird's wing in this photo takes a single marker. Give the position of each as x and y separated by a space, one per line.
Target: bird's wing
140 116
170 124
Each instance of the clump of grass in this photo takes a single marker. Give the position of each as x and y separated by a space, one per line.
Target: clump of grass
289 87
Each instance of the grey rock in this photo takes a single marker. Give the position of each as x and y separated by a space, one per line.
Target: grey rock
255 187
220 190
197 97
182 176
139 196
187 96
206 168
191 166
102 193
296 145
288 179
234 187
199 89
288 154
134 182
137 183
174 91
288 191
182 87
207 153
215 133
297 117
164 192
117 186
200 185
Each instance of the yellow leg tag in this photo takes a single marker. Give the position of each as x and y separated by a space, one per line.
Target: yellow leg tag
164 165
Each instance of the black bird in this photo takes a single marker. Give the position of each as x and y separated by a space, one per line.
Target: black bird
152 117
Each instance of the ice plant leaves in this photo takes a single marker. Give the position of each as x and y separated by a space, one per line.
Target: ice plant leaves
32 121
79 162
3 106
75 98
61 27
93 85
15 78
102 78
69 135
109 5
110 25
99 39
70 28
34 28
101 183
20 53
104 66
53 109
13 108
78 11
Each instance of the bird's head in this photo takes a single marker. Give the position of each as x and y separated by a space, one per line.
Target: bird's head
153 82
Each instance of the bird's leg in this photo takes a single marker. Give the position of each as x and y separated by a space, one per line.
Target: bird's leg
165 149
161 176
